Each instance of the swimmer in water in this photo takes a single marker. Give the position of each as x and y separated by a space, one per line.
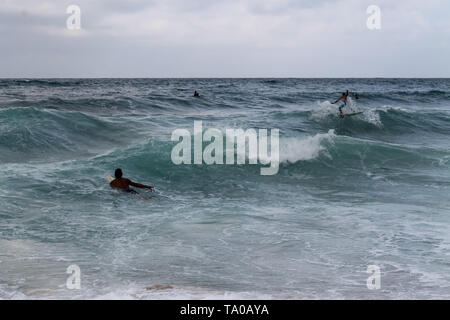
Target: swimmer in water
124 183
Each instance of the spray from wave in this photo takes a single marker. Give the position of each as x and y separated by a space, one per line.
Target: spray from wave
304 149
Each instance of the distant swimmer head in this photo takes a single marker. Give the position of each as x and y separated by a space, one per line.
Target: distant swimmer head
196 94
118 174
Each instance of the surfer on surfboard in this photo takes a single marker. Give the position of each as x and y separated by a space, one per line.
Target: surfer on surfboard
343 99
124 183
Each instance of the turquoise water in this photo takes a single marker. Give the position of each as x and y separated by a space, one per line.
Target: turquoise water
367 190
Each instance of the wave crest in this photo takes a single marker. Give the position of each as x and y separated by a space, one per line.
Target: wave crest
303 149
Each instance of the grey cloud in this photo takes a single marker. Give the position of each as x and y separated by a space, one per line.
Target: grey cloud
224 38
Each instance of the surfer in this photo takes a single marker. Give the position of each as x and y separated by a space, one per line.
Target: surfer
343 103
124 183
196 94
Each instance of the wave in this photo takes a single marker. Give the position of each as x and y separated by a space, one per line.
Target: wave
302 149
406 94
339 157
320 155
41 135
43 82
335 151
387 120
30 134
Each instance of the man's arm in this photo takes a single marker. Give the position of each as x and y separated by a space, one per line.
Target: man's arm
336 101
138 185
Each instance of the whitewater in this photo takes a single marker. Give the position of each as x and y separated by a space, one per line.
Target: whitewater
372 189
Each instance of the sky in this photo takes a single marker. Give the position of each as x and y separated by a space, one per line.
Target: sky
224 38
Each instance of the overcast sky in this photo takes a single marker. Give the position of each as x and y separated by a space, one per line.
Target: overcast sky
225 38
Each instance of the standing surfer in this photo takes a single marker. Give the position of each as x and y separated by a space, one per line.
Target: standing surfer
343 103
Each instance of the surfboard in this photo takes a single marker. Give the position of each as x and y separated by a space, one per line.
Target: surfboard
349 114
110 179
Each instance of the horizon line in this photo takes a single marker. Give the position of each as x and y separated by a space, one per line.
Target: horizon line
68 78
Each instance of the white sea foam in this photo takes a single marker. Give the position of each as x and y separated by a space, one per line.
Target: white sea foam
10 293
323 110
387 108
134 292
302 149
139 292
371 116
326 109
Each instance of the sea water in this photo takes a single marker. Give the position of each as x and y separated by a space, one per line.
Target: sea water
368 190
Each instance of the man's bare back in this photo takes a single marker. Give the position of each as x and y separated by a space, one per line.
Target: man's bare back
124 183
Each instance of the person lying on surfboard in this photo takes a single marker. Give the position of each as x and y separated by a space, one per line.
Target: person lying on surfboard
124 183
343 103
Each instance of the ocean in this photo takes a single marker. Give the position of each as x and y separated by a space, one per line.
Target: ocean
368 190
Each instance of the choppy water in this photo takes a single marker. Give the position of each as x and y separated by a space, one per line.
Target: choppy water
367 190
